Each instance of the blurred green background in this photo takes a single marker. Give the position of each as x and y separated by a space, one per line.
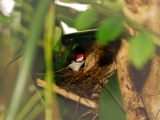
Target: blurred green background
32 24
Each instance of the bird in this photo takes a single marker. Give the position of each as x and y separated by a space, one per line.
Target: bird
75 59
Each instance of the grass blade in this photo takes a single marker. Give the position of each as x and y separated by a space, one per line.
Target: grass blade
30 48
49 39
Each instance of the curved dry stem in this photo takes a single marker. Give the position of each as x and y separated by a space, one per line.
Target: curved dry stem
69 95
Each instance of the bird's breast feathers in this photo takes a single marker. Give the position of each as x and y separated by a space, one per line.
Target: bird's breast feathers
75 66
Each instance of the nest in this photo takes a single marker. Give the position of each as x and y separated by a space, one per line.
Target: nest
85 85
99 65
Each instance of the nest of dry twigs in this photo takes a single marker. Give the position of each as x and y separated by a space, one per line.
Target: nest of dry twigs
99 65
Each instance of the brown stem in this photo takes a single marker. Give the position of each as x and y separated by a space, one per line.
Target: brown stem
69 95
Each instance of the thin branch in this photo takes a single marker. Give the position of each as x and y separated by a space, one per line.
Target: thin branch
139 16
69 95
140 19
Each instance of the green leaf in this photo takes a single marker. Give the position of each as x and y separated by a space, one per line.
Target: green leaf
111 29
111 102
5 20
58 46
113 5
57 37
85 19
30 48
141 50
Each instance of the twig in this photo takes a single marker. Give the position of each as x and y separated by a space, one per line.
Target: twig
139 16
69 95
53 72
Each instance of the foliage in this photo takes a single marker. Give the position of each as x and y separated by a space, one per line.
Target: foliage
142 49
111 102
85 19
106 17
109 30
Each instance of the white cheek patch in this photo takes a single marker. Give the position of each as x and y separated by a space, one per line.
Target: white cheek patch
80 59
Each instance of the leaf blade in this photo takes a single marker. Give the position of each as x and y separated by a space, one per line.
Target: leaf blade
142 49
26 65
111 29
111 101
85 19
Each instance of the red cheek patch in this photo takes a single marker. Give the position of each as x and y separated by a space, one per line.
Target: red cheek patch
79 56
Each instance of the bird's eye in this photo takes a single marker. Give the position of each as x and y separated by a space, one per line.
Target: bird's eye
79 56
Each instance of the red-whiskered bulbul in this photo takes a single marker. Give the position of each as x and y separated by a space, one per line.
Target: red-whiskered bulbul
75 59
